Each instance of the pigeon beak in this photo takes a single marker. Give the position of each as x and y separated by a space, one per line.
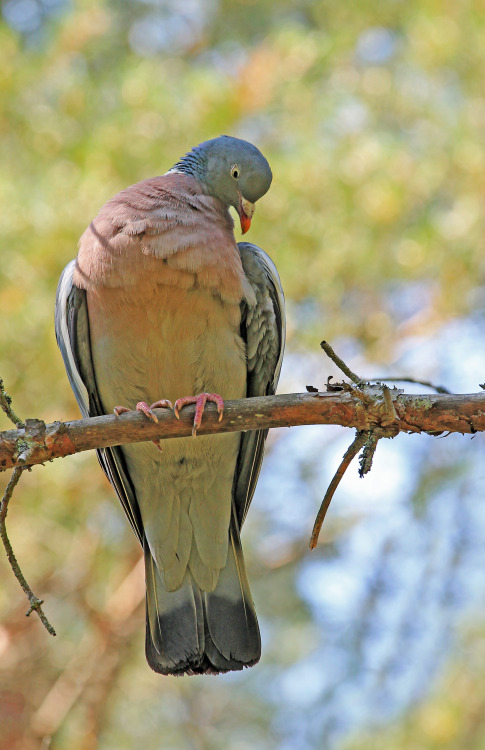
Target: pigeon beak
246 211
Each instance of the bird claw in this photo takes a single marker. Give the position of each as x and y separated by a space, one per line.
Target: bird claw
200 402
145 409
148 412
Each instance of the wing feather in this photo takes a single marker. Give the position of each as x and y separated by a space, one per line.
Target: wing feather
263 329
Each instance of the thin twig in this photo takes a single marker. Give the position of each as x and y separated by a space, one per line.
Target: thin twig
391 410
35 603
437 388
339 362
350 454
5 404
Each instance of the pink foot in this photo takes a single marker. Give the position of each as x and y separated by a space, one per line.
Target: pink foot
147 411
200 402
143 407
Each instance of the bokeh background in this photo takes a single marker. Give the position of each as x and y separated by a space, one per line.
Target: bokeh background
372 116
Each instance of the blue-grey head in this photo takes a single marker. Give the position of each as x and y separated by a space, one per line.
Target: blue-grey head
230 169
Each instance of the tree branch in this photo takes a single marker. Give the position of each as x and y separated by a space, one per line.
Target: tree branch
366 410
35 602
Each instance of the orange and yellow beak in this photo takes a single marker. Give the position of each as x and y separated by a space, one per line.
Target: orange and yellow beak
246 211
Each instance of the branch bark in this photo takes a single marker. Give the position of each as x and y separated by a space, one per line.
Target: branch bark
364 408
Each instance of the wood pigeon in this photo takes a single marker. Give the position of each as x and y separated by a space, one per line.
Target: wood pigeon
161 303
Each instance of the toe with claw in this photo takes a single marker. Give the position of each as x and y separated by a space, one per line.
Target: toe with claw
148 410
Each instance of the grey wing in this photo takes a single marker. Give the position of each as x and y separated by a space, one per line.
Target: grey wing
72 333
263 329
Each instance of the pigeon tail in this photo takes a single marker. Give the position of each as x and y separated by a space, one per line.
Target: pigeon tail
190 631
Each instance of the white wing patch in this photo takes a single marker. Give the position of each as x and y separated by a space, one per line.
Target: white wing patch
64 340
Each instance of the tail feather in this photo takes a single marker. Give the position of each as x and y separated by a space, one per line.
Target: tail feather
194 632
175 623
230 615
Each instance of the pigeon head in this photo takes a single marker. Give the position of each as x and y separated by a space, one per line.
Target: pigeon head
232 170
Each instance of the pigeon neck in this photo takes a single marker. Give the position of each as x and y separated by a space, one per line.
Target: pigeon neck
191 164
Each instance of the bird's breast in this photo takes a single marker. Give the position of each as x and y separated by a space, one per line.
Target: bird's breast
164 341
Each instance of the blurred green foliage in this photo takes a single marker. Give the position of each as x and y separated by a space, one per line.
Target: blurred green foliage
372 117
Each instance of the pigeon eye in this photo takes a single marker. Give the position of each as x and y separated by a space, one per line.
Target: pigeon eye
235 171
